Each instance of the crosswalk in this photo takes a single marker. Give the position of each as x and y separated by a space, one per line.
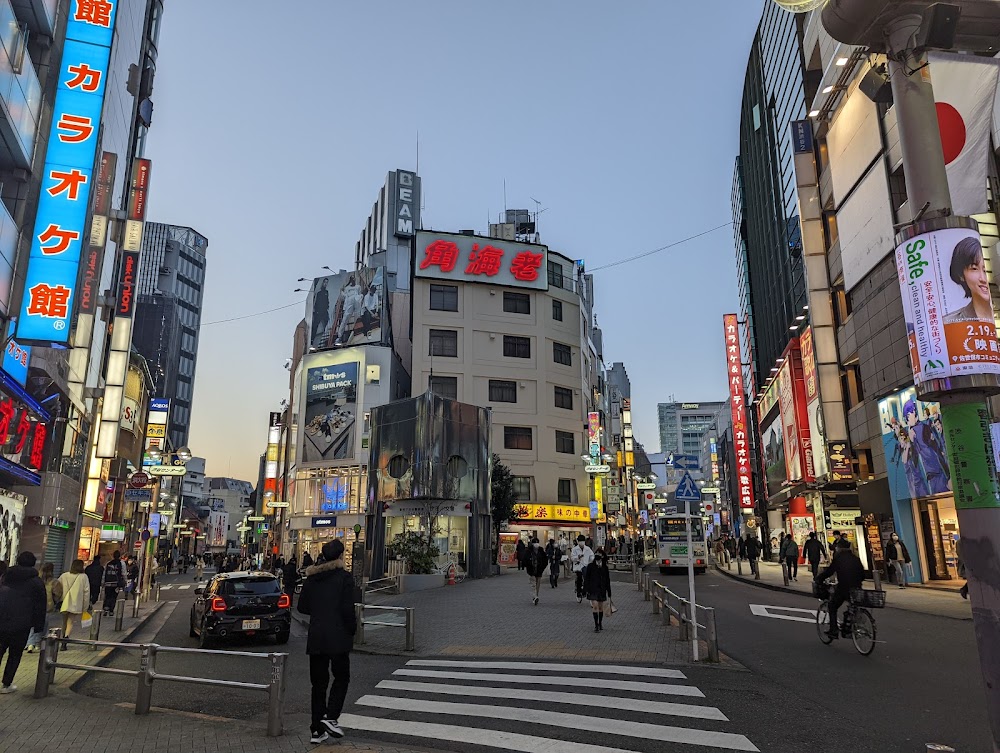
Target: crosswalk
181 587
544 706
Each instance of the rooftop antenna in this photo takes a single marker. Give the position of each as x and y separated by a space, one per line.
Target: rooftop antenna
417 171
505 195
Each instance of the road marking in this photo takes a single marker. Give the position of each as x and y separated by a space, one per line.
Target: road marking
576 699
587 682
642 730
181 588
165 588
762 610
613 669
470 736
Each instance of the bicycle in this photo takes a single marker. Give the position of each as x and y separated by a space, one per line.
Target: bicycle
858 622
451 561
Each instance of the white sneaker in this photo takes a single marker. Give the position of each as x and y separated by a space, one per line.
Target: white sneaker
332 727
7 689
319 737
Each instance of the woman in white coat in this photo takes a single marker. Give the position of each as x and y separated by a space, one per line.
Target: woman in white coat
76 595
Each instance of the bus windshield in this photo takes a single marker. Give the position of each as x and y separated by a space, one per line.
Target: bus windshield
675 528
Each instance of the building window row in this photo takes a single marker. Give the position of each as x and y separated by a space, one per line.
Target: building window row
503 391
444 298
516 303
522 490
520 438
445 386
443 342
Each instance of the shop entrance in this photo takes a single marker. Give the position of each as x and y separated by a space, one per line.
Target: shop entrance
939 532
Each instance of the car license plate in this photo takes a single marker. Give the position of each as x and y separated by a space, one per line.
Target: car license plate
251 624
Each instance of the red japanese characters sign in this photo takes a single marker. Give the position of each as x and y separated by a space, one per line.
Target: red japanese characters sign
22 436
741 429
468 258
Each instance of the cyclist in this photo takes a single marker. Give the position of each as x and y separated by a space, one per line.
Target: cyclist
846 565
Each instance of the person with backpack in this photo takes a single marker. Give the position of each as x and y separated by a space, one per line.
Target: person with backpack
114 581
789 555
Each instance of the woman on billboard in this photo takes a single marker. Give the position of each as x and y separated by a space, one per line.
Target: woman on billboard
968 271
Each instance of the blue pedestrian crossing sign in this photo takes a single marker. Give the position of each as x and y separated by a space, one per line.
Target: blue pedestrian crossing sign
687 490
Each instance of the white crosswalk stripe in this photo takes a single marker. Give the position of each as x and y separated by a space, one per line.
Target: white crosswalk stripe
520 708
166 588
186 585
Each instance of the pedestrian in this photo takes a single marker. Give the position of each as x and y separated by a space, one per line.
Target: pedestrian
752 549
307 560
814 550
597 582
199 570
76 596
132 586
22 609
328 598
731 547
114 581
170 563
53 600
95 574
290 576
520 554
789 556
581 556
898 557
554 554
535 563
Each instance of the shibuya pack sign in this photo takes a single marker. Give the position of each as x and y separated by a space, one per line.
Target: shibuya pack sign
947 306
67 177
470 258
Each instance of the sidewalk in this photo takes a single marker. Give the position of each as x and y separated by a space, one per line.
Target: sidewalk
921 599
494 617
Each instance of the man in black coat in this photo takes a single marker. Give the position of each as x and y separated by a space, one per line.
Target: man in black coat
850 575
328 598
22 607
813 550
535 562
95 574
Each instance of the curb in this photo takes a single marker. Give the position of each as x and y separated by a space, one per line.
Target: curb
304 622
762 583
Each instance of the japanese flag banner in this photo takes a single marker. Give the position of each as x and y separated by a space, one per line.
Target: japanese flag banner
965 89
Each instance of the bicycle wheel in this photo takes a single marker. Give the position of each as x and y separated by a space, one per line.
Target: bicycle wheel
863 632
823 622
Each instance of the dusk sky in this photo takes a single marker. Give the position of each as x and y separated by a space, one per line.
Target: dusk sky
273 133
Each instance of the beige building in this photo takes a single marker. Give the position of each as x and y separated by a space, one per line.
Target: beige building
505 325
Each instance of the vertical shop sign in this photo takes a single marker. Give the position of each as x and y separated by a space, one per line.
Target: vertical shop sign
59 234
737 398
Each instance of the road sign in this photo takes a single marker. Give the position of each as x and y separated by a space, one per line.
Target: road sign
255 518
167 470
138 495
645 485
144 535
138 545
138 480
687 490
277 504
669 510
708 507
598 469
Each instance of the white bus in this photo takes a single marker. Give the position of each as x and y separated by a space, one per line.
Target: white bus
671 543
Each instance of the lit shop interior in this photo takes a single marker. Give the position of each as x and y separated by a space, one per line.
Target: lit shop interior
328 503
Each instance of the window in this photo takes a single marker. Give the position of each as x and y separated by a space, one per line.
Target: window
444 342
517 437
444 298
562 354
555 273
557 310
564 442
522 488
564 492
502 391
516 347
516 303
445 386
564 398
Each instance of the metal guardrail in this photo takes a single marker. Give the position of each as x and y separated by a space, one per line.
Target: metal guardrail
381 584
359 613
672 606
48 663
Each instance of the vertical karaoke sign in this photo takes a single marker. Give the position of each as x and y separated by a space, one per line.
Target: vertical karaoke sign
737 399
59 234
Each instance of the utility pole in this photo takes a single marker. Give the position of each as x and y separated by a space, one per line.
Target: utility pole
899 29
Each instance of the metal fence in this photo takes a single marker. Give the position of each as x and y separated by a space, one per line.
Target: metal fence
406 624
670 606
146 674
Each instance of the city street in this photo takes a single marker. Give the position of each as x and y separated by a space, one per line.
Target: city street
789 692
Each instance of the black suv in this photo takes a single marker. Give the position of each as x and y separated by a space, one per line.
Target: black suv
246 603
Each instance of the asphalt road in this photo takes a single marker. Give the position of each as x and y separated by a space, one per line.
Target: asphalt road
921 685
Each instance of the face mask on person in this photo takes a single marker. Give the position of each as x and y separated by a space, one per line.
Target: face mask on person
895 537
598 559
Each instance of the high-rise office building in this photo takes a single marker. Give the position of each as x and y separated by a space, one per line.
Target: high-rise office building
682 425
168 316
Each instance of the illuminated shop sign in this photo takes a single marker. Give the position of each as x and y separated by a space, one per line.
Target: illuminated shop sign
59 233
23 431
469 258
737 399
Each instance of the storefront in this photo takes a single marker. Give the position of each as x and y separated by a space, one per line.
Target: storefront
550 522
328 503
920 486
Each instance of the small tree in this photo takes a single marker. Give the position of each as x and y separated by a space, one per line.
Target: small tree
502 498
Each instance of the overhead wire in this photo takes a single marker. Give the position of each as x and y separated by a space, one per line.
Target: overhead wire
250 316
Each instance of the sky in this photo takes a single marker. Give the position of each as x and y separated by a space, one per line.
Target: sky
272 135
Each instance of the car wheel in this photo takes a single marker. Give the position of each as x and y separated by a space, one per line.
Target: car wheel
282 637
191 630
664 570
203 639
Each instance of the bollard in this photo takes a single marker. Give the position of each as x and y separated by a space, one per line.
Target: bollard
359 617
95 628
119 613
739 567
877 578
646 586
711 636
665 612
635 576
156 592
276 696
135 604
410 630
755 567
46 657
144 678
784 573
729 563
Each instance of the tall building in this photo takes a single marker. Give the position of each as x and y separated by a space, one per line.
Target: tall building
168 316
618 378
682 425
